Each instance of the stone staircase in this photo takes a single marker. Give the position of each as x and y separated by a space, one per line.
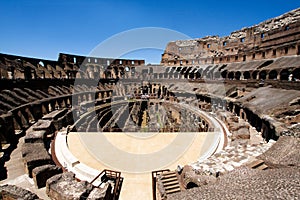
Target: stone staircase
170 182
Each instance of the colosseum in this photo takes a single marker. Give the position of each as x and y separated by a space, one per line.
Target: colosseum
219 118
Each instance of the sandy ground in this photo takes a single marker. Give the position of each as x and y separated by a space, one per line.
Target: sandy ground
136 156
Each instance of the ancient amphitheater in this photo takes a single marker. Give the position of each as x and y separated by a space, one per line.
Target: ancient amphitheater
219 118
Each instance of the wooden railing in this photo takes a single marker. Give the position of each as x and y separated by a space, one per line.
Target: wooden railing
111 175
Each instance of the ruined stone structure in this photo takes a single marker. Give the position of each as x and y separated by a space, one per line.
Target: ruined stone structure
248 80
271 39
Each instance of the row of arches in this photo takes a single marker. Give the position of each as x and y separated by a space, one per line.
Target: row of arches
275 74
216 72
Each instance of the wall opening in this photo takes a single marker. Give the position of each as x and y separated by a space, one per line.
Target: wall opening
224 74
263 75
273 75
296 74
286 50
254 75
191 185
238 75
284 74
231 75
286 28
246 75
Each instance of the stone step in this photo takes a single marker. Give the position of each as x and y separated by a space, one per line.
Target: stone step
169 179
169 175
173 191
171 187
173 182
256 163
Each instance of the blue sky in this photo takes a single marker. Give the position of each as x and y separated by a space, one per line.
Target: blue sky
43 28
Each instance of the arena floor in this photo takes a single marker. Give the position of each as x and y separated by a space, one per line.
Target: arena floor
89 147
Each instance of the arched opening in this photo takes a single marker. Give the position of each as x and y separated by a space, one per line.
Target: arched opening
246 75
27 73
224 74
254 75
273 75
238 75
284 74
263 75
191 76
198 75
231 75
191 185
296 74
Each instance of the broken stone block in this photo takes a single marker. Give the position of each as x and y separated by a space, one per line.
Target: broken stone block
34 155
43 173
64 186
12 192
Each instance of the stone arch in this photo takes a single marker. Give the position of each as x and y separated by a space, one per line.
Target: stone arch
198 74
263 74
224 74
237 75
284 74
246 75
231 75
254 74
273 74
